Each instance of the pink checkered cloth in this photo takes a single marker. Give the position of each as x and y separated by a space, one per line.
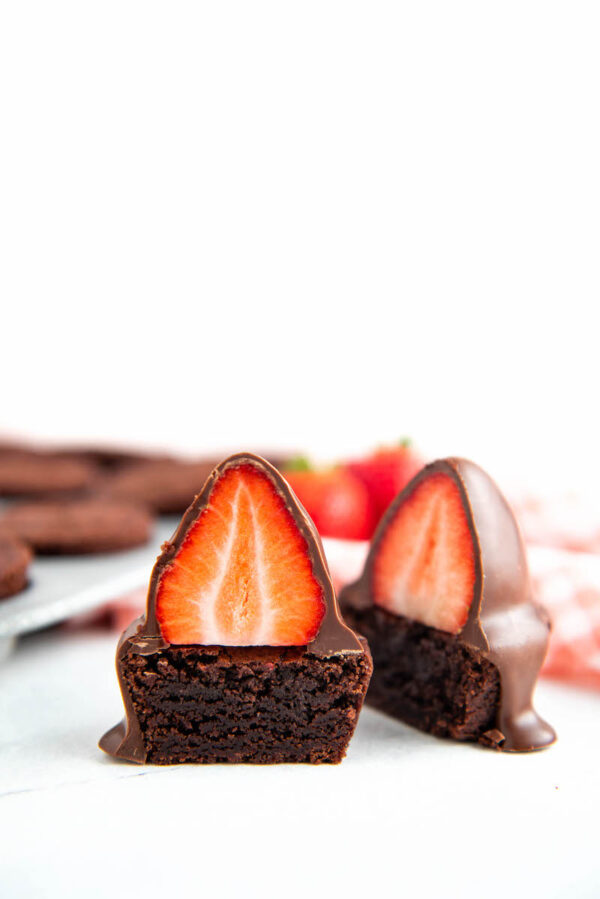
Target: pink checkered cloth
567 584
565 521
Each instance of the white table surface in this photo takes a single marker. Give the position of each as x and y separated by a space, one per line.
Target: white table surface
404 814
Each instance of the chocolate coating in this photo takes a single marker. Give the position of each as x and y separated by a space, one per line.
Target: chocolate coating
143 636
504 623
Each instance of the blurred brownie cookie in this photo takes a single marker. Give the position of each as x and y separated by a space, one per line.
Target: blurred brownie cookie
14 562
78 526
167 485
110 458
36 474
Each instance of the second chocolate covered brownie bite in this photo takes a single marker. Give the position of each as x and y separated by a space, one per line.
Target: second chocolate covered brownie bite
445 601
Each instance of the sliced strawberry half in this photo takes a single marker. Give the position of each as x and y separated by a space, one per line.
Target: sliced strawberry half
243 576
424 566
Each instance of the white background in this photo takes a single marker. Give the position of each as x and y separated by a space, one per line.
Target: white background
316 225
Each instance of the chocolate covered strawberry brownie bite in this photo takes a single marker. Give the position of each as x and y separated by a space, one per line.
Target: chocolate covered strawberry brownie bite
445 602
242 655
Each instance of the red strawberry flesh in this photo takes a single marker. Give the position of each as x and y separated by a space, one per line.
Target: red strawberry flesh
424 567
243 575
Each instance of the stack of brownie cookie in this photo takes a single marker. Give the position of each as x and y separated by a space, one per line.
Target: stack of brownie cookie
75 500
52 506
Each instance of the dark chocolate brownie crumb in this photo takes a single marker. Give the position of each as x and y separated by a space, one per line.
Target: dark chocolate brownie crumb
426 677
78 526
14 562
259 705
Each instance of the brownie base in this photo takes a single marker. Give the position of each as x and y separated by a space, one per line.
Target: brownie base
260 705
428 678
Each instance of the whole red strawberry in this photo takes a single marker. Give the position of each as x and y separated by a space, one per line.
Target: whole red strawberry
336 500
386 472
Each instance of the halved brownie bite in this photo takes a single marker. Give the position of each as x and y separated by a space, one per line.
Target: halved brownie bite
242 655
446 605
